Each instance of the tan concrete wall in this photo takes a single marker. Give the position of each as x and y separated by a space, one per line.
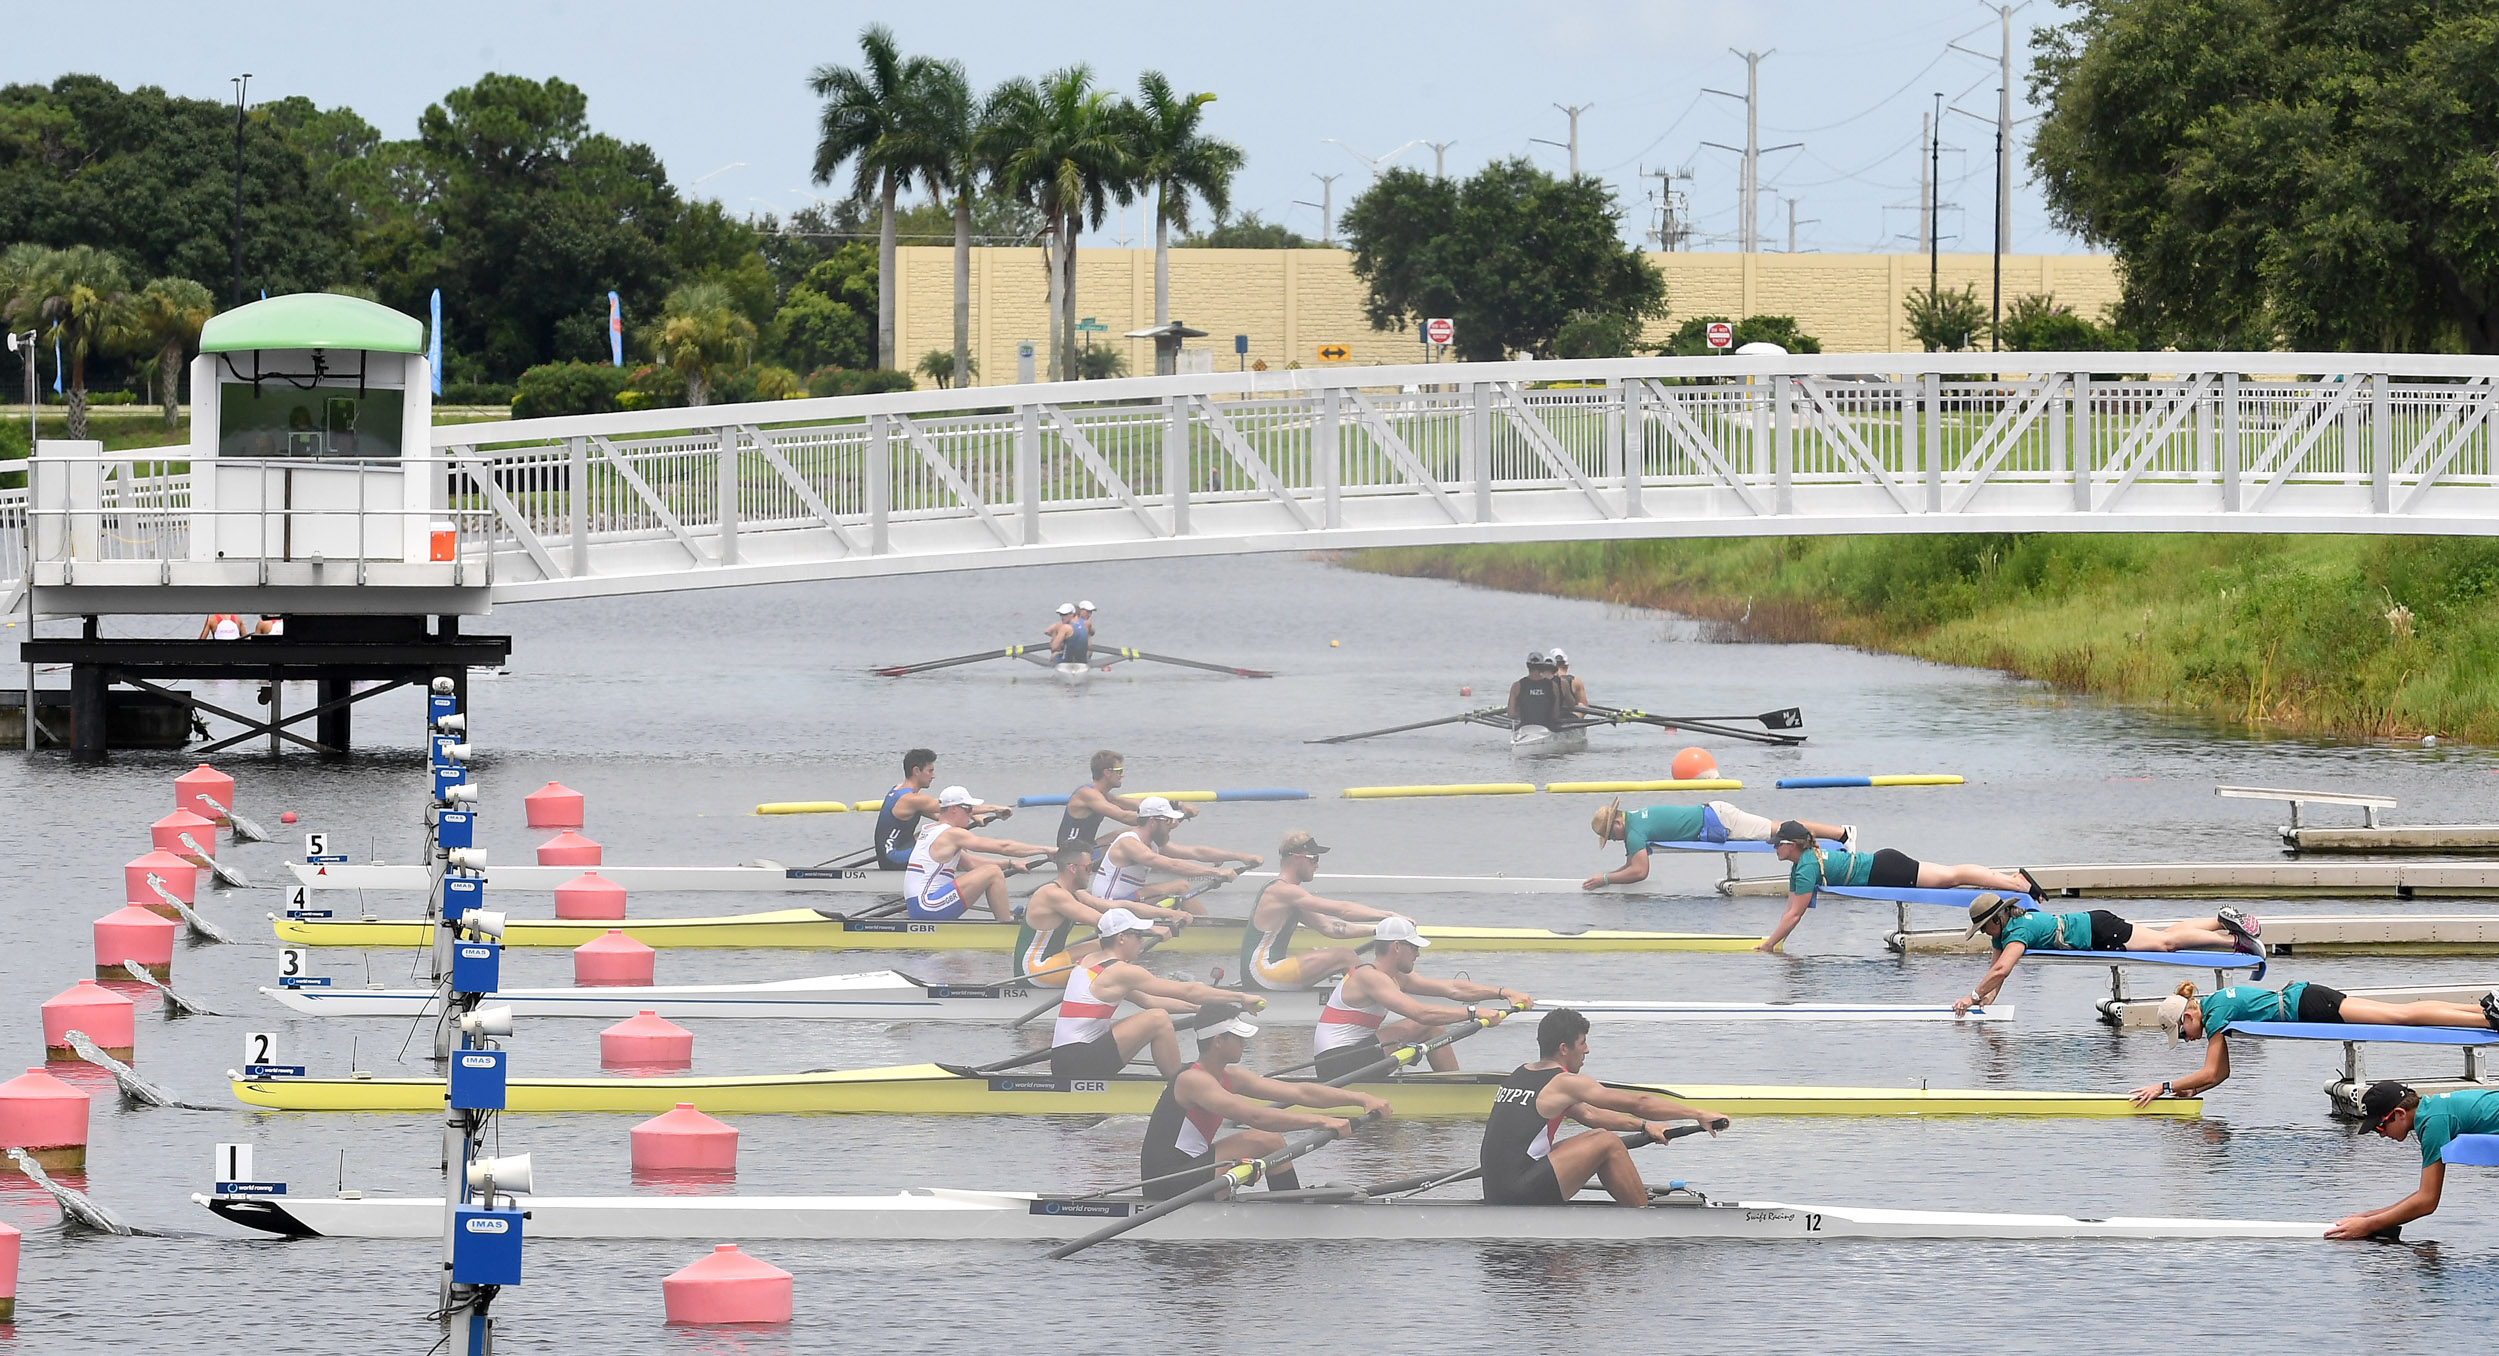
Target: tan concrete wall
1290 302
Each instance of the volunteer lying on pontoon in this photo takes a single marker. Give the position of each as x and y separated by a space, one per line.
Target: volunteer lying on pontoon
1810 867
2014 931
1714 821
2187 1017
1522 1161
2393 1110
1374 1004
1180 1137
1043 954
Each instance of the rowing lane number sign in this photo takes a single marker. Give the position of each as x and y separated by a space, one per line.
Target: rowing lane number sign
1334 353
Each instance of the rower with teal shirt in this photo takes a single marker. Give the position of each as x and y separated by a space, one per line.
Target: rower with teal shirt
2187 1017
1714 821
2394 1110
2014 932
1812 867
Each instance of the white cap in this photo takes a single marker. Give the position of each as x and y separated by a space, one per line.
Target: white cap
1558 656
1235 1027
2173 1012
955 797
1156 807
1117 921
1067 609
1085 606
1399 928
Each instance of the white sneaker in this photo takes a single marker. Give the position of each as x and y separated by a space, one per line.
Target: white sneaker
1848 838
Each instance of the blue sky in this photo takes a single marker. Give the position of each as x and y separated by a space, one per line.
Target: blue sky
720 89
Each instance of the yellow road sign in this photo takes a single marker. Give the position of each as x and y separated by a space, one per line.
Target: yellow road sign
1334 353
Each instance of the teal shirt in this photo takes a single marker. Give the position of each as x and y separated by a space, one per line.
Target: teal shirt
2449 1114
1660 824
1817 868
2247 1003
2037 932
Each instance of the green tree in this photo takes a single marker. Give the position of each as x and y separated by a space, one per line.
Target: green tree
964 133
567 388
2039 323
876 120
2316 173
72 296
1247 232
940 366
1691 338
1946 322
162 320
824 320
1511 255
1100 363
1063 148
1178 163
702 338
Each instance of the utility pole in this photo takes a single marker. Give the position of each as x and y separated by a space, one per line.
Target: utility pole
241 83
1926 185
1671 229
1573 111
1793 223
1934 177
1327 206
2004 149
1748 179
1440 158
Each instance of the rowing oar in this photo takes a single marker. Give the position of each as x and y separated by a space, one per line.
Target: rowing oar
905 670
1416 1186
1401 729
1699 725
1230 1179
1404 1054
1150 657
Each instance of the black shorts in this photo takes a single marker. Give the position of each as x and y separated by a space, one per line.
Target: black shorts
2110 932
1893 870
1162 1160
1345 1059
1522 1181
1096 1058
2317 1003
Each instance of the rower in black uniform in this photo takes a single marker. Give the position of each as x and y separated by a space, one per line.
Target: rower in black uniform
1180 1144
1097 800
898 819
1525 1165
1542 697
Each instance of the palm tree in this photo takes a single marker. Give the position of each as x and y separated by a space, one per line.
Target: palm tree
73 295
1064 149
962 130
872 120
162 320
1174 159
700 334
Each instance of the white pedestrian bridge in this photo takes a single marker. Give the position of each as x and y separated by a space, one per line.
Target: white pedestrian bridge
1318 459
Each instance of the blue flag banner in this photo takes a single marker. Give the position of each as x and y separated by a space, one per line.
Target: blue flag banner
615 331
56 365
434 345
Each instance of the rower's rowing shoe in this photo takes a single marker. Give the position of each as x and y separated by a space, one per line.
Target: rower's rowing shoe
1405 1187
1231 1179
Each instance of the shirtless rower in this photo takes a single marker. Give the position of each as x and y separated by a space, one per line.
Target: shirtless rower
943 878
1099 799
1714 821
1525 1165
1541 698
1088 1042
1288 903
1144 863
1374 1004
1811 867
2014 931
1180 1145
1043 953
2394 1110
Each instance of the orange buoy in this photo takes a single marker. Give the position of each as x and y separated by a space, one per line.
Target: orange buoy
728 1287
590 895
186 835
1694 764
47 1118
553 806
131 933
613 960
8 1272
206 792
568 849
175 874
647 1040
685 1140
88 1007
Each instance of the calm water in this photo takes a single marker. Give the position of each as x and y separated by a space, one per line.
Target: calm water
676 714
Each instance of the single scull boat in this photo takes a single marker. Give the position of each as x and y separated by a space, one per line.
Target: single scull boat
772 878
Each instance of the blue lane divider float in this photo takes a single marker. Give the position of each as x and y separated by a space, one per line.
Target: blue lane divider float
1734 845
2366 1031
1880 779
1201 797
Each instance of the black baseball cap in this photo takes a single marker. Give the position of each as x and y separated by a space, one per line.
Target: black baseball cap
2383 1099
1792 831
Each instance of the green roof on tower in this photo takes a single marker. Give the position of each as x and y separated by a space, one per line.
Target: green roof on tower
313 320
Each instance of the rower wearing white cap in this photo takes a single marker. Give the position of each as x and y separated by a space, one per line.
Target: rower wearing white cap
1572 689
942 880
1374 1004
1088 1042
1181 1150
2014 930
1286 904
2187 1017
1144 863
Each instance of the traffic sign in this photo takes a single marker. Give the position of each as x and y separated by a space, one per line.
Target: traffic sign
1440 331
1334 353
1240 343
1721 334
1091 326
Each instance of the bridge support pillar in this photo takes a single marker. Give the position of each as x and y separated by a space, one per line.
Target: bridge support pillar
1475 447
880 484
1628 435
1931 407
86 714
1176 464
2381 447
1326 451
2226 448
1782 444
2078 458
1028 471
334 726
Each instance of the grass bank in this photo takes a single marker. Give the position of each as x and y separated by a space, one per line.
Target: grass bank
2366 637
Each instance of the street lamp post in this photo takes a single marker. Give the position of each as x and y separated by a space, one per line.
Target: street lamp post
241 83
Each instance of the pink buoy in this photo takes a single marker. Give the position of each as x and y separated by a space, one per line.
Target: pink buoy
589 895
206 792
685 1140
553 806
88 1007
8 1272
613 960
47 1118
142 876
568 849
648 1040
185 835
728 1287
131 933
